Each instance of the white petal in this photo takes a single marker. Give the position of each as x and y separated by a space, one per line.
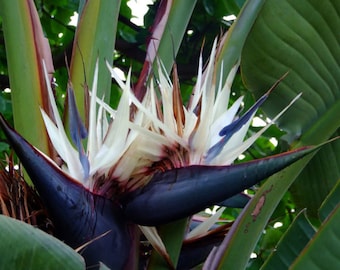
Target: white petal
155 240
59 138
92 142
235 152
205 225
225 119
222 97
115 142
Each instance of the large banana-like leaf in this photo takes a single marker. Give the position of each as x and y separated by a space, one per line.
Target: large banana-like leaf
301 37
318 178
25 247
330 202
326 239
300 248
298 37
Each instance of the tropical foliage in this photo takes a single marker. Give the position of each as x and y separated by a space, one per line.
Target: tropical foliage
290 216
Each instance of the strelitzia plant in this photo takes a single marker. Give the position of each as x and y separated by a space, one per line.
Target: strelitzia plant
153 167
150 163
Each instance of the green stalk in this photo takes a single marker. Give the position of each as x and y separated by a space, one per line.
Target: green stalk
231 51
167 32
176 25
172 236
25 49
95 39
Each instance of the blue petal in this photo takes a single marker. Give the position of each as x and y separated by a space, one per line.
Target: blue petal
77 131
228 131
77 128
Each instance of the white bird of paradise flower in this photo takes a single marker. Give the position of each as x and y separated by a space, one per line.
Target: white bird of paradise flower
161 133
144 160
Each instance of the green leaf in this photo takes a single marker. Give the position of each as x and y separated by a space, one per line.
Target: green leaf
248 227
26 47
95 38
330 202
290 245
231 50
322 252
318 179
175 27
299 37
25 247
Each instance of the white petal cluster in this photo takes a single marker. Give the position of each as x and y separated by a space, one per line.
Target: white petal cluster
123 146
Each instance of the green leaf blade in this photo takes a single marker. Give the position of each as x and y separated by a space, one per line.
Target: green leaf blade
25 247
322 252
95 39
330 202
317 180
299 37
290 245
250 224
231 50
26 47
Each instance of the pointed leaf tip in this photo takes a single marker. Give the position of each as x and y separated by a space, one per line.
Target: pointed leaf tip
182 192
